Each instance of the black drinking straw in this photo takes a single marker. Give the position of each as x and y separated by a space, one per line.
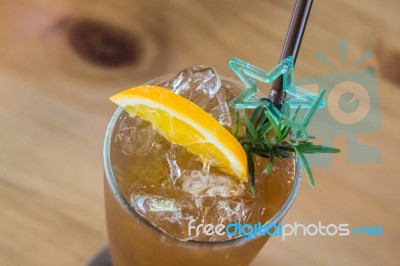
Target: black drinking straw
291 45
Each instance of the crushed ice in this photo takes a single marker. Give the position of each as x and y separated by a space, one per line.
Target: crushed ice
202 86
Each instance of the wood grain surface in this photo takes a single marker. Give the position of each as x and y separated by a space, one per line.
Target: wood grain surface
61 60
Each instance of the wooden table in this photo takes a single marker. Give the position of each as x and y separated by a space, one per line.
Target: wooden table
54 109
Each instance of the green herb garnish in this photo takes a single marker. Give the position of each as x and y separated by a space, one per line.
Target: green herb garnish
271 133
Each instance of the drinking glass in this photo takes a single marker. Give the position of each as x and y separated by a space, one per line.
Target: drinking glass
135 241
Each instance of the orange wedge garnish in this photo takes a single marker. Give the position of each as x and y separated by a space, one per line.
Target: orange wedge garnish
184 123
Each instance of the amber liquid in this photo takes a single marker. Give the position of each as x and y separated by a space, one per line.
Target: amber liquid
135 239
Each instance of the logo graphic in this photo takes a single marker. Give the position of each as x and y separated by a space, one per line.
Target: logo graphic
352 108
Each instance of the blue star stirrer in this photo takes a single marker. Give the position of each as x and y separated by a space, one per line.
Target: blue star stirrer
281 75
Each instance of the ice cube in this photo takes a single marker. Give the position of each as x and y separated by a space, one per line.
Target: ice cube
174 169
196 182
222 191
230 210
156 206
167 209
225 186
198 84
201 182
202 85
135 136
219 109
207 160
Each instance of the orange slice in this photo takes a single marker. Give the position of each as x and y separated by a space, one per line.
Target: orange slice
184 123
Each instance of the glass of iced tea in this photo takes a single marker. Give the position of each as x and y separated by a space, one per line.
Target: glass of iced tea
167 206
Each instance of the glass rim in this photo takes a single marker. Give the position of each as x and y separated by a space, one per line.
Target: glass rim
125 204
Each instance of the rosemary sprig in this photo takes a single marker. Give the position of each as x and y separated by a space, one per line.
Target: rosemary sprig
270 133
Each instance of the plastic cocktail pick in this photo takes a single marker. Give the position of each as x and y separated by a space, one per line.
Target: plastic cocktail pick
249 73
